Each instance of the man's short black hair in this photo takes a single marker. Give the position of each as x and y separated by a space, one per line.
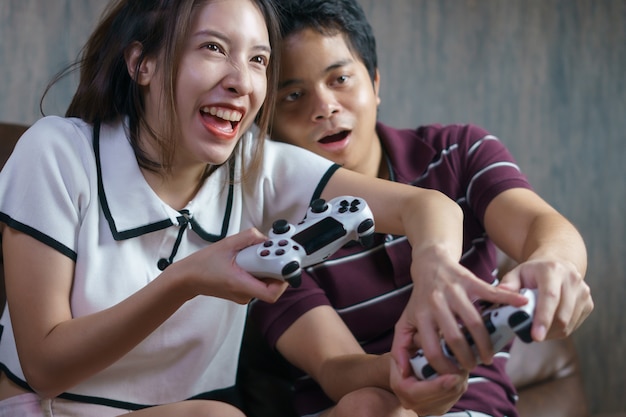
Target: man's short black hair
331 17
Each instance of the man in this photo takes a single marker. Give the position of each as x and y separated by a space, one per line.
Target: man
338 327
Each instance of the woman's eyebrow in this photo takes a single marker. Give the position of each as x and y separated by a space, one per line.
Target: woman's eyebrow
221 36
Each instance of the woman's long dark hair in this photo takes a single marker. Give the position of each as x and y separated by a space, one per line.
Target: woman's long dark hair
106 92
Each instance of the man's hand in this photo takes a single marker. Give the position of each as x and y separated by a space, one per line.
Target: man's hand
564 298
442 299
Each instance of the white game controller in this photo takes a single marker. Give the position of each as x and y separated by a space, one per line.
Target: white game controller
326 227
503 324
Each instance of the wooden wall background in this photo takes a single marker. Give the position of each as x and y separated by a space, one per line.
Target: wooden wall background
546 76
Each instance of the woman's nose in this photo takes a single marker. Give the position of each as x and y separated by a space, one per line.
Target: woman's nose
239 79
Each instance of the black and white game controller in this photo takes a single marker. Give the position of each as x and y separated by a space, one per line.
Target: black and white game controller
327 226
503 324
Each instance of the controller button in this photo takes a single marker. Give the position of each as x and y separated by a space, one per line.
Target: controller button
268 244
319 205
264 253
290 268
291 273
280 226
489 325
524 334
280 252
283 242
365 226
428 371
295 247
518 318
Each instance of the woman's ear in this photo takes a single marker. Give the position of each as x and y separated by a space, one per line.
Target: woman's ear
140 71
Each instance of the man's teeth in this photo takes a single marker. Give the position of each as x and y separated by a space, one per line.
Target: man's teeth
226 114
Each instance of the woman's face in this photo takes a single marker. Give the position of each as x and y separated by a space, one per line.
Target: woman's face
222 80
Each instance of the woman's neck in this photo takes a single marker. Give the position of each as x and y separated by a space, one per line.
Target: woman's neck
177 189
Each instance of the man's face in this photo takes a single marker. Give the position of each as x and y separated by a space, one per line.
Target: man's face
327 102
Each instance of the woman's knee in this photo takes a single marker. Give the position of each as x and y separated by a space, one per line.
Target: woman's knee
191 408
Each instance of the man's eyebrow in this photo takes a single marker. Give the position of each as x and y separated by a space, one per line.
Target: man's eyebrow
335 65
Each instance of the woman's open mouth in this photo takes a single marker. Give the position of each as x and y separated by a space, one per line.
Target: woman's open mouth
220 120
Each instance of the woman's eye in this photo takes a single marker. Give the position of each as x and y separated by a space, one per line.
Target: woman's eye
212 47
261 59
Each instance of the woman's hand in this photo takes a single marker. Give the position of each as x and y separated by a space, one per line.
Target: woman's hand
213 271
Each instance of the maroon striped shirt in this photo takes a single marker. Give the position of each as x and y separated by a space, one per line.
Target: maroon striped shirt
370 287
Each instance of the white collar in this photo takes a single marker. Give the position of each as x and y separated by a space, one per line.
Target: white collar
132 208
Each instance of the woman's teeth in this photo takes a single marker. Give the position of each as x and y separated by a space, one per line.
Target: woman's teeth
226 114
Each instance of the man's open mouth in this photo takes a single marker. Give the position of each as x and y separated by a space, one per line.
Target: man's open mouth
337 137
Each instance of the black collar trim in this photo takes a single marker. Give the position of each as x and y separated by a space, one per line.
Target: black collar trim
163 224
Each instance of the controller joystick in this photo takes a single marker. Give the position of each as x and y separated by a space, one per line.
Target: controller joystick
326 227
280 227
503 323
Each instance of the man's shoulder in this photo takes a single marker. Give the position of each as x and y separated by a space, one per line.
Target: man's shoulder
451 133
436 135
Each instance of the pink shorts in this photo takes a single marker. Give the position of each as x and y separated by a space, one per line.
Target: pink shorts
30 405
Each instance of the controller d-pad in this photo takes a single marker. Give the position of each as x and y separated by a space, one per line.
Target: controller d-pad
343 206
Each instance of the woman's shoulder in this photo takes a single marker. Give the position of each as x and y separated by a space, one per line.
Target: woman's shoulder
59 128
53 143
54 131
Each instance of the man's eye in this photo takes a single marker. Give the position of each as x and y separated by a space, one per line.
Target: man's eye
293 96
342 79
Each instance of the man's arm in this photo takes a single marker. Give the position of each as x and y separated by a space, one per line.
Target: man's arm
321 345
444 290
552 258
